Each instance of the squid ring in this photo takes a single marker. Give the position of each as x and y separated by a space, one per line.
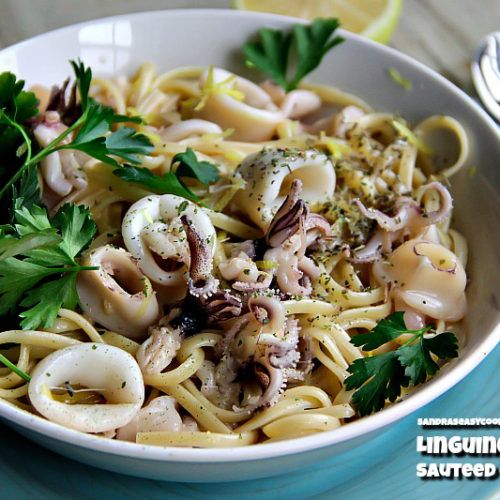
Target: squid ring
270 172
189 128
113 371
253 119
153 232
255 116
117 295
427 277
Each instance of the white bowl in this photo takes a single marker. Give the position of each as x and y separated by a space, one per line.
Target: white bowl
202 37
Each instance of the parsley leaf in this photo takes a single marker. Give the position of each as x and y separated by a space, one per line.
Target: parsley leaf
15 102
417 357
444 345
38 270
385 377
27 189
77 228
128 144
92 138
16 107
387 329
17 277
306 45
312 43
187 166
96 124
270 54
10 247
161 184
30 220
46 300
49 257
380 377
190 166
83 77
91 131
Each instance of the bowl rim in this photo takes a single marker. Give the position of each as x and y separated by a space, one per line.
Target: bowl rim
427 393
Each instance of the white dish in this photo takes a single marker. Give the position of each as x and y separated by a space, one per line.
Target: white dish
201 37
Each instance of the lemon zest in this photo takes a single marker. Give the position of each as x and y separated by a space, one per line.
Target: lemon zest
407 134
227 195
226 86
398 78
214 137
335 147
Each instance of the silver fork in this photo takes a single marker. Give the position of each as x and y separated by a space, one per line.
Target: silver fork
485 71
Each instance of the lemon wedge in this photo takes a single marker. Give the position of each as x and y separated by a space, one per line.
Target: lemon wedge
375 19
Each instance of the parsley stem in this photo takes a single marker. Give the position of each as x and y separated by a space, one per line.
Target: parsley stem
70 269
27 141
21 130
416 334
14 368
54 270
50 148
86 268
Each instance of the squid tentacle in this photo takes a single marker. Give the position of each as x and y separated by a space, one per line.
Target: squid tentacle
201 281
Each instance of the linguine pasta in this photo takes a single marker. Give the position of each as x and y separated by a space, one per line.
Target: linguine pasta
228 322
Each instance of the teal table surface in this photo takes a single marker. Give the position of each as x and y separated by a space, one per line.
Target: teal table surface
384 468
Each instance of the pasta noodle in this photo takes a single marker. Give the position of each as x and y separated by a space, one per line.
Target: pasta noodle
228 322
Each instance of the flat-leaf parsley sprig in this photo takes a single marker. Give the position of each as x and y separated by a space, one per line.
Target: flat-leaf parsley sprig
287 57
91 132
17 106
38 262
183 165
378 378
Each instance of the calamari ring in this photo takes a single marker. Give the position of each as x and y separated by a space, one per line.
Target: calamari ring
153 225
269 175
117 295
113 371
